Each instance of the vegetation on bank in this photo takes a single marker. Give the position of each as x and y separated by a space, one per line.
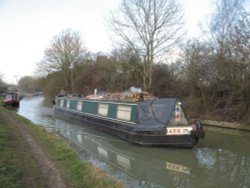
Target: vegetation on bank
19 169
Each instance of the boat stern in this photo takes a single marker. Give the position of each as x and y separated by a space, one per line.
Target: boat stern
197 129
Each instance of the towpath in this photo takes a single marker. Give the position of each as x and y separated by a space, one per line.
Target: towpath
49 171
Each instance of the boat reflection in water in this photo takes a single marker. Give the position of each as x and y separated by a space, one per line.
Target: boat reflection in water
147 169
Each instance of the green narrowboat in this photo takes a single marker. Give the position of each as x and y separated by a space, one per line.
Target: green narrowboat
159 122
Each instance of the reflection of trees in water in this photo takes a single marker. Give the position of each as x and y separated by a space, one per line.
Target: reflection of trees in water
223 168
240 174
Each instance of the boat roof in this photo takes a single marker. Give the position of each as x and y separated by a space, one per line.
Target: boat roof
10 93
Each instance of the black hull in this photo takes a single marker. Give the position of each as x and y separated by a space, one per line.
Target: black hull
125 131
14 104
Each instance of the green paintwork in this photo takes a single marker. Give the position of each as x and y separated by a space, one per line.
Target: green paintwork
73 104
112 110
91 107
134 113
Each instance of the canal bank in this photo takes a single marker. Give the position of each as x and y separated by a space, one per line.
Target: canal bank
227 125
32 157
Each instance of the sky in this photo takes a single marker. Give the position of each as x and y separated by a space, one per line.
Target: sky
28 26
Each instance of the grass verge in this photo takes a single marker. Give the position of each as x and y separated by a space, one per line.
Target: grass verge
75 172
18 168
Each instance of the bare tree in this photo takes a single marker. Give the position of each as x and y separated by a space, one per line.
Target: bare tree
129 64
240 39
64 54
28 84
3 85
226 16
217 70
196 69
151 28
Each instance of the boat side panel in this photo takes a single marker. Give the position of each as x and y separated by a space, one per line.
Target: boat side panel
73 104
90 107
126 132
134 114
112 110
64 103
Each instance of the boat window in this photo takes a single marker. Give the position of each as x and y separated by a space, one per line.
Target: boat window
68 103
15 97
8 96
61 103
124 112
123 161
79 138
103 109
178 116
79 105
102 152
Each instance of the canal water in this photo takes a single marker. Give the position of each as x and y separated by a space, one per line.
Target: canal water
222 159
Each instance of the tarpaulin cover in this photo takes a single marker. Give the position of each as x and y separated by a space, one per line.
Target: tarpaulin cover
158 113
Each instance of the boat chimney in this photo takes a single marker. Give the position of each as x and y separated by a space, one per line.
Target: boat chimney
141 97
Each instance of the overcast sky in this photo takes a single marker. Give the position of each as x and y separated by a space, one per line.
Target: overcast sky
27 27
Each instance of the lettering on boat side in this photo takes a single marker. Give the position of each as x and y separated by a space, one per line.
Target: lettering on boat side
178 130
177 168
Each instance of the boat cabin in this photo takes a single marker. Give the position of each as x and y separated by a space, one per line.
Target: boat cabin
148 115
11 99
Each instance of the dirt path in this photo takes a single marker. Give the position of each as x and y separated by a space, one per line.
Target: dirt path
48 169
